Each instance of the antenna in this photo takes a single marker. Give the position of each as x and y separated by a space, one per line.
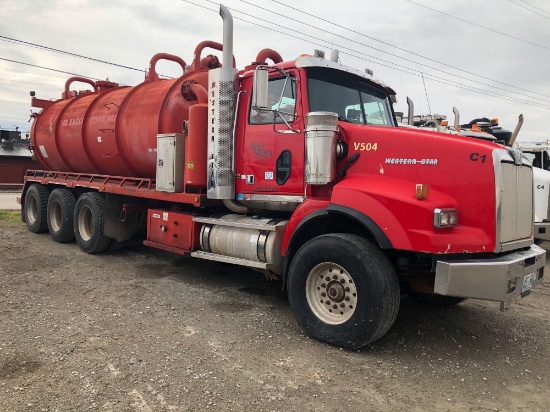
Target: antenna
426 91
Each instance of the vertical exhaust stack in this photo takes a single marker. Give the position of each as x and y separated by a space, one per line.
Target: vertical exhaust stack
227 59
457 118
516 131
221 113
410 114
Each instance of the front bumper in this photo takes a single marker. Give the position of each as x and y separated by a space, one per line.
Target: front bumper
542 230
500 279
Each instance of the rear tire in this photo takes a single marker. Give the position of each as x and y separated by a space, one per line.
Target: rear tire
343 290
435 300
35 211
89 217
61 206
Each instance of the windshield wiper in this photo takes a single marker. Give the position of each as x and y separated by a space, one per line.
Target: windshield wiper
342 118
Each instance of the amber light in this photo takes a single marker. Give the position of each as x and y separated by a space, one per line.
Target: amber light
444 123
422 191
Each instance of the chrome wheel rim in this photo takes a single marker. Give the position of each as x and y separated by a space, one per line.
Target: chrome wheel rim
331 293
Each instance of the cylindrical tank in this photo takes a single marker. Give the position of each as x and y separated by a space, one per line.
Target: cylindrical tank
113 130
321 132
247 243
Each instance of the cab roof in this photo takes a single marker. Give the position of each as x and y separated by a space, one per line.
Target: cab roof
311 61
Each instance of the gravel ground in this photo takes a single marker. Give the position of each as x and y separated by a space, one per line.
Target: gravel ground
144 330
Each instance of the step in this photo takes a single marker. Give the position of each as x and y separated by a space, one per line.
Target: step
232 260
221 222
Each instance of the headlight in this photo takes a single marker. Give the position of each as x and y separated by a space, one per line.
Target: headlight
445 218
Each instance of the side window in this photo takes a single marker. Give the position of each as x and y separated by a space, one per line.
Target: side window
277 99
545 161
372 108
376 113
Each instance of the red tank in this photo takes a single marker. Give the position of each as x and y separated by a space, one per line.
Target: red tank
113 129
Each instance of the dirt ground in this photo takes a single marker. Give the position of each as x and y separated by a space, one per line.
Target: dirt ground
144 330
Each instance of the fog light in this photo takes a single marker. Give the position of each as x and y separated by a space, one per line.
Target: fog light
445 218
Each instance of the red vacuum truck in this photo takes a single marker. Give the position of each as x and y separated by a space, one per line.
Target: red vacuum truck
296 169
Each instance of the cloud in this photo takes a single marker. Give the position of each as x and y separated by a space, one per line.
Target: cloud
131 33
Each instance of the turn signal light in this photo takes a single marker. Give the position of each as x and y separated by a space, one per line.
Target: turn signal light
445 218
422 191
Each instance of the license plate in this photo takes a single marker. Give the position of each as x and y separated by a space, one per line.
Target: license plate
528 281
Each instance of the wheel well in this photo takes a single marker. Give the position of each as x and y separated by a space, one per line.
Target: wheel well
324 223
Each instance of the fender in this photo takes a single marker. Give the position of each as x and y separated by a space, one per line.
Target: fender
375 203
309 209
317 215
366 221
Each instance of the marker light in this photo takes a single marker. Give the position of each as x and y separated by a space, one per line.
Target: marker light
444 122
475 128
445 218
422 191
494 121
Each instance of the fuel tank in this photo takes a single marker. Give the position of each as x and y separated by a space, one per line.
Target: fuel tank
113 129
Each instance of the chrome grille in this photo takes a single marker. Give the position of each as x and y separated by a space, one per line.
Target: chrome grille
514 185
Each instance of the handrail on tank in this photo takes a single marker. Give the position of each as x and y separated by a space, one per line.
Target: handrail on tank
200 92
261 58
265 54
152 74
77 79
195 66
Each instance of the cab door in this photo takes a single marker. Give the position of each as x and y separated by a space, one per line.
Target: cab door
272 156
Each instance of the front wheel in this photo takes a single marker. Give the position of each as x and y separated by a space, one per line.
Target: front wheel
343 290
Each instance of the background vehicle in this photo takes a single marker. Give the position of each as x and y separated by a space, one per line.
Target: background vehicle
296 169
538 155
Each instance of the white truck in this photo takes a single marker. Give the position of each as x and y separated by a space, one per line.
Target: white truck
538 154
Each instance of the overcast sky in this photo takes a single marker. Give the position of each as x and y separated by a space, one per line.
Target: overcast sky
482 72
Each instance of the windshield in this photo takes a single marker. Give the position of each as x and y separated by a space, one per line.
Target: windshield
354 99
538 159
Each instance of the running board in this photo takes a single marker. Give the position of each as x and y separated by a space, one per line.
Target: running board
232 260
221 222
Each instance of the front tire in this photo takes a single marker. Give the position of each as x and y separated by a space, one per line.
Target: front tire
343 290
61 206
35 209
89 217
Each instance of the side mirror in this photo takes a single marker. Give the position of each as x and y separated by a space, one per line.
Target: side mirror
259 89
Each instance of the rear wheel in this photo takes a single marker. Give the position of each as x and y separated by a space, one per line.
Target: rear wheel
89 217
35 209
61 206
343 290
435 300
